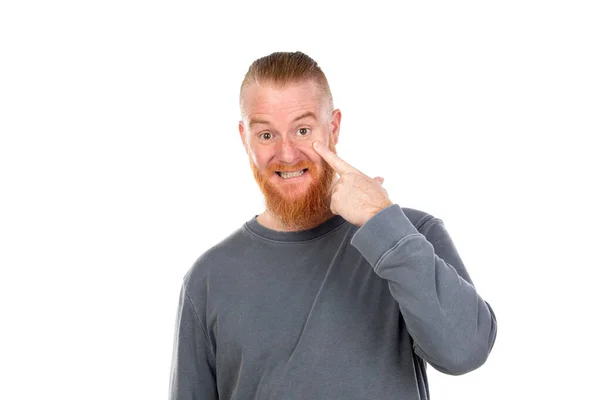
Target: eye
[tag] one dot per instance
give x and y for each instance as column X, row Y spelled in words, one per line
column 265, row 135
column 303, row 131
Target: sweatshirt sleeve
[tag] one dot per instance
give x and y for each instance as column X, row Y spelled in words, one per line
column 193, row 362
column 452, row 327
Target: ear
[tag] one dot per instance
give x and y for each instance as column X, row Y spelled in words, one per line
column 242, row 136
column 336, row 120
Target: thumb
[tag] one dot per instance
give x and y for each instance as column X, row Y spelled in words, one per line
column 378, row 179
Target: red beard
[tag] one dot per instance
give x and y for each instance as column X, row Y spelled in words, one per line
column 292, row 208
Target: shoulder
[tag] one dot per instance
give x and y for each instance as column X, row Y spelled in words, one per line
column 434, row 231
column 211, row 262
column 421, row 220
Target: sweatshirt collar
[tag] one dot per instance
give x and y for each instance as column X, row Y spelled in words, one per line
column 295, row 236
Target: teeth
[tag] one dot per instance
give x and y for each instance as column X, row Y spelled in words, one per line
column 286, row 175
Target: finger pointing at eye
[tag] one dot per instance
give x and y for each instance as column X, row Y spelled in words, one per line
column 340, row 166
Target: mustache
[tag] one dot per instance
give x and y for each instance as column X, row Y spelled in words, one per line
column 287, row 168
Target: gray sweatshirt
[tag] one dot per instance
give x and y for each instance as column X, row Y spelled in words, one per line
column 333, row 312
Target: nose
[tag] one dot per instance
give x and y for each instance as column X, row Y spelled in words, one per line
column 287, row 151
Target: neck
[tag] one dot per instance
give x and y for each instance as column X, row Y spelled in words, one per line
column 269, row 220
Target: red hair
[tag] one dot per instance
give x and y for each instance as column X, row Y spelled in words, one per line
column 283, row 68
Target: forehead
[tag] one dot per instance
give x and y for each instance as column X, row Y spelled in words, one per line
column 281, row 102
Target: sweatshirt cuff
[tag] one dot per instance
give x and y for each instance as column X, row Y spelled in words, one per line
column 382, row 232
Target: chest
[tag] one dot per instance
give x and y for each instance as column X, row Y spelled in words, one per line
column 303, row 314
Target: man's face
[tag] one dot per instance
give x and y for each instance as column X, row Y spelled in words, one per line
column 278, row 129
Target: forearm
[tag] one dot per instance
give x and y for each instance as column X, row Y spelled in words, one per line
column 453, row 328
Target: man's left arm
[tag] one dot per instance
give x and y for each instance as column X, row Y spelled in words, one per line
column 453, row 328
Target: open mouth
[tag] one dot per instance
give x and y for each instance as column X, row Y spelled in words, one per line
column 288, row 175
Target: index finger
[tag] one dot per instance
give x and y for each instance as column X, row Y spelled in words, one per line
column 340, row 166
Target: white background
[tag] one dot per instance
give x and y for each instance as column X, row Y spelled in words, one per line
column 120, row 163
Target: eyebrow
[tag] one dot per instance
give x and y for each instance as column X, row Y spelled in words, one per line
column 307, row 114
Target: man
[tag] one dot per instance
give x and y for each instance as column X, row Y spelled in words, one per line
column 334, row 291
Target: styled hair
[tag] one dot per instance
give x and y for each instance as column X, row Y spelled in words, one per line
column 283, row 68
